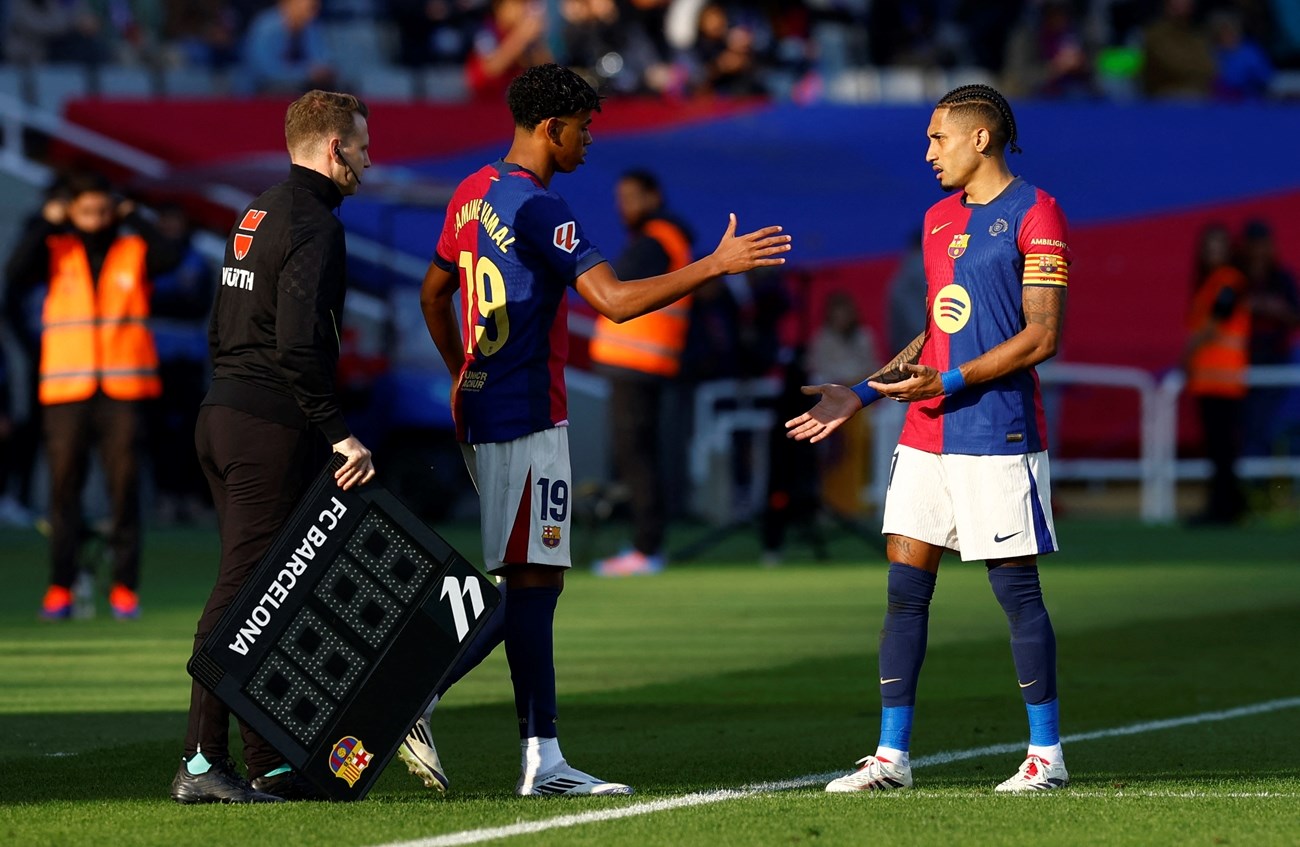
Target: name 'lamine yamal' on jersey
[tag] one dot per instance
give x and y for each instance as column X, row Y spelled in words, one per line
column 517, row 248
column 978, row 258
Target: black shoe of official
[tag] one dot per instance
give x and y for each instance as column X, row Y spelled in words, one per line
column 289, row 785
column 221, row 784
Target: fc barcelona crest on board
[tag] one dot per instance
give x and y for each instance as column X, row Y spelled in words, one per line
column 348, row 759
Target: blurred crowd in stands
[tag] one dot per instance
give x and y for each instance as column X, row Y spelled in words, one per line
column 1230, row 49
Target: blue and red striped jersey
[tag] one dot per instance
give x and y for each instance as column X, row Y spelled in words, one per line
column 517, row 248
column 977, row 260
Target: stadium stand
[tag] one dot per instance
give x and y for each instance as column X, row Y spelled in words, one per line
column 54, row 85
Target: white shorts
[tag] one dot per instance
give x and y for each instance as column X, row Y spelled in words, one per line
column 983, row 507
column 525, row 491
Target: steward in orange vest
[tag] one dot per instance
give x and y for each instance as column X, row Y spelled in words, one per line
column 95, row 330
column 1217, row 357
column 639, row 357
column 97, row 363
column 1219, row 325
column 652, row 343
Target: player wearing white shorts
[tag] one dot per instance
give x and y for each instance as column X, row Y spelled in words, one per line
column 523, row 491
column 983, row 507
column 512, row 248
column 971, row 472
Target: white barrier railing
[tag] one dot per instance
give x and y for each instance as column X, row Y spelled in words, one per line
column 725, row 407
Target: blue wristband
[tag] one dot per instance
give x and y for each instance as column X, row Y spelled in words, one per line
column 866, row 393
column 952, row 380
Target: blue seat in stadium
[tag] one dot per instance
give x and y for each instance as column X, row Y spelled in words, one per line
column 903, row 85
column 445, row 84
column 124, row 81
column 191, row 82
column 358, row 45
column 12, row 83
column 856, row 85
column 386, row 82
column 55, row 85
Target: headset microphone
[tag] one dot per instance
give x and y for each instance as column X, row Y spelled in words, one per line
column 338, row 154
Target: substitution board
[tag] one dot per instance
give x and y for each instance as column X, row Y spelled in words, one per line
column 338, row 640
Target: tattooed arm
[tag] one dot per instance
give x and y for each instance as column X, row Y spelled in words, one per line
column 1044, row 308
column 910, row 355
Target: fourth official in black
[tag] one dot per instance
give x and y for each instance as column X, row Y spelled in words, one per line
column 274, row 341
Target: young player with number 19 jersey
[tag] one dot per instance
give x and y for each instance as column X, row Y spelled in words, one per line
column 512, row 248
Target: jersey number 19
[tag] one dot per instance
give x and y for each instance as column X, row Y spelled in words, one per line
column 484, row 279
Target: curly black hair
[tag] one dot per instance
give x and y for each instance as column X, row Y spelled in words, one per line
column 549, row 91
column 990, row 106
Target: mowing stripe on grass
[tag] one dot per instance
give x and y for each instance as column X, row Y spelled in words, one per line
column 704, row 798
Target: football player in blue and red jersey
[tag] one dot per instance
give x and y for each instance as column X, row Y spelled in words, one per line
column 513, row 249
column 970, row 473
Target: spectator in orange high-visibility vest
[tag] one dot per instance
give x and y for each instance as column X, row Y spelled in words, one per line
column 1216, row 359
column 98, row 367
column 640, row 357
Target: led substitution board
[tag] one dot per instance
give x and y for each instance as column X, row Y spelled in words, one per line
column 338, row 640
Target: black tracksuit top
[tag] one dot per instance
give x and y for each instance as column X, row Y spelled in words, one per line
column 274, row 333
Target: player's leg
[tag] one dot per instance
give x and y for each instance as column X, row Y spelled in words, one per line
column 1033, row 647
column 919, row 526
column 418, row 752
column 1004, row 516
column 534, row 556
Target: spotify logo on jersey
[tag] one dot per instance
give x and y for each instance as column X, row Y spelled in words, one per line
column 951, row 308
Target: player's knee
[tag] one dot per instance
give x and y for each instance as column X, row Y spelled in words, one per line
column 909, row 589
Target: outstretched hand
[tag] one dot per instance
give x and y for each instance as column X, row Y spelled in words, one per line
column 837, row 405
column 737, row 254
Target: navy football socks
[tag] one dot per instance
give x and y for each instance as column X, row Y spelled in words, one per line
column 492, row 634
column 902, row 650
column 903, row 638
column 1033, row 644
column 530, row 649
column 1033, row 647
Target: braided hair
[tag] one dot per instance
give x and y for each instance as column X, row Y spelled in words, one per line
column 989, row 105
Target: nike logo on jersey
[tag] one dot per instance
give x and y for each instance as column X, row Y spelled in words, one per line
column 939, row 227
column 884, row 681
column 998, row 539
column 1026, row 684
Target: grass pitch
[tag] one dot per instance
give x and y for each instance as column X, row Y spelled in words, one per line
column 721, row 675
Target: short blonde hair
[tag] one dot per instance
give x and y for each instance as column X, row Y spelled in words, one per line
column 317, row 115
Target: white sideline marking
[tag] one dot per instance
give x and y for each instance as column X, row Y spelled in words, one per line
column 704, row 798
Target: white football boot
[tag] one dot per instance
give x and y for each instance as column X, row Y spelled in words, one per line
column 875, row 774
column 1036, row 774
column 421, row 758
column 566, row 781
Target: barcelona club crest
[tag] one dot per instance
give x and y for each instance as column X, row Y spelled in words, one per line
column 551, row 537
column 958, row 245
column 1048, row 264
column 348, row 759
